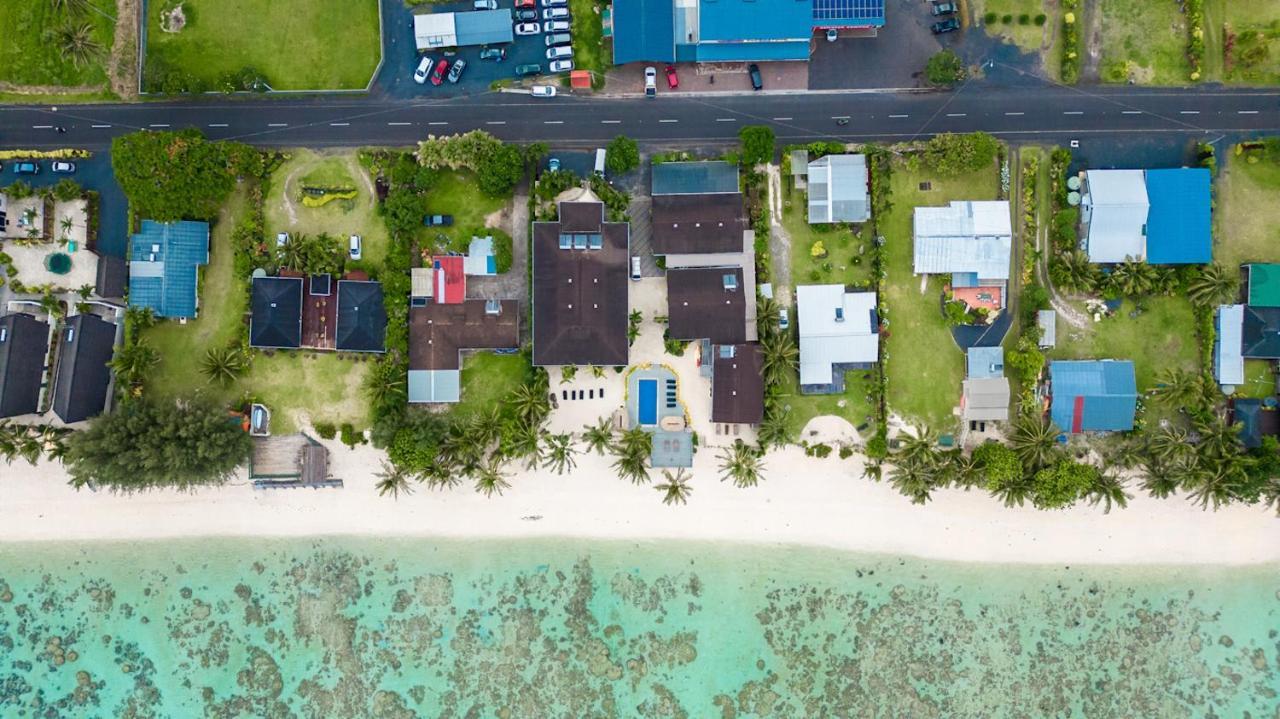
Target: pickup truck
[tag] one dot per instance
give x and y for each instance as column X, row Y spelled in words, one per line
column 438, row 220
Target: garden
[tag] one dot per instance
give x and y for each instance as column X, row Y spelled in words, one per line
column 198, row 45
column 475, row 214
column 1029, row 24
column 1246, row 214
column 589, row 50
column 1251, row 41
column 1144, row 42
column 825, row 254
column 52, row 43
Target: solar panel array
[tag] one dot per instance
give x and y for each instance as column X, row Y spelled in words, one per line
column 848, row 9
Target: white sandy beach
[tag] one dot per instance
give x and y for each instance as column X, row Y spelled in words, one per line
column 802, row 501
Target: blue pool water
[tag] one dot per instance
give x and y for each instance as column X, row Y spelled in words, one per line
column 648, row 401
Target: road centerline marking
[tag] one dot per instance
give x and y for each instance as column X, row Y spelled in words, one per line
column 668, row 121
column 277, row 124
column 1015, row 114
column 899, row 116
column 956, row 114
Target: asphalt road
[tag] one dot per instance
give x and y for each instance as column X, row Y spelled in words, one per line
column 1052, row 113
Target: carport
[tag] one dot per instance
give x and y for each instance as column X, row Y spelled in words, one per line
column 462, row 29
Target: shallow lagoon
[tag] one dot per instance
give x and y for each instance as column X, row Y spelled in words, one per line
column 558, row 628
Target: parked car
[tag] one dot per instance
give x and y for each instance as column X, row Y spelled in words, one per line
column 26, row 168
column 484, row 5
column 528, row 28
column 557, row 38
column 948, row 25
column 526, row 15
column 560, row 66
column 543, row 91
column 555, row 26
column 943, row 8
column 528, row 69
column 354, row 247
column 555, row 3
column 526, row 3
column 455, row 72
column 553, row 164
column 438, row 220
column 437, row 76
column 555, row 13
column 635, row 268
column 784, row 318
column 63, row 167
column 559, row 52
column 650, row 81
column 424, row 68
column 673, row 80
column 757, row 82
column 832, row 34
column 497, row 54
column 282, row 239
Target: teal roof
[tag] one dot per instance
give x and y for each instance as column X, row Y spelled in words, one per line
column 753, row 51
column 164, row 261
column 985, row 362
column 1178, row 223
column 743, row 20
column 643, row 31
column 1264, row 285
column 483, row 27
column 694, row 178
column 1093, row 395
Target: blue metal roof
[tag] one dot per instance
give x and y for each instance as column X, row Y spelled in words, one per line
column 163, row 266
column 643, row 31
column 483, row 27
column 739, row 20
column 845, row 13
column 753, row 51
column 985, row 362
column 1093, row 395
column 694, row 178
column 1178, row 223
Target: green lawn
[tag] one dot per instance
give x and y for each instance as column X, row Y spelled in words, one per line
column 456, row 193
column 296, row 44
column 30, row 54
column 1259, row 380
column 1247, row 211
column 1162, row 337
column 857, row 409
column 1255, row 47
column 339, row 218
column 842, row 247
column 1145, row 40
column 924, row 365
column 487, row 380
column 590, row 52
column 1029, row 36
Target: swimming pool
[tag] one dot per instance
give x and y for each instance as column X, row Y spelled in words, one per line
column 648, row 401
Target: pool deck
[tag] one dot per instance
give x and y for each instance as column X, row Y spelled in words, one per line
column 28, row 260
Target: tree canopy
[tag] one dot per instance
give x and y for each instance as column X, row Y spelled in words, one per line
column 150, row 444
column 757, row 144
column 622, row 155
column 945, row 69
column 950, row 154
column 171, row 176
column 1000, row 465
column 498, row 166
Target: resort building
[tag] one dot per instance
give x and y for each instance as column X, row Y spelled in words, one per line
column 970, row 240
column 1093, row 395
column 1258, row 419
column 1161, row 217
column 839, row 331
column 737, row 384
column 83, row 378
column 838, row 189
column 580, row 303
column 362, row 317
column 1264, row 285
column 707, row 304
column 112, row 278
column 698, row 209
column 24, row 346
column 1243, row 332
column 164, row 262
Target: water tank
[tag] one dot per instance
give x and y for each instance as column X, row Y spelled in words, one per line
column 1073, row 198
column 1073, row 182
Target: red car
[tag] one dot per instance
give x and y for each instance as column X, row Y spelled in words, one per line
column 437, row 76
column 672, row 80
column 526, row 3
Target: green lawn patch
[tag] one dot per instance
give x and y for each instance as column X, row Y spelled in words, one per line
column 296, row 44
column 456, row 193
column 1161, row 337
column 847, row 260
column 924, row 365
column 857, row 407
column 1259, row 380
column 340, row 218
column 1144, row 40
column 34, row 53
column 1247, row 211
column 487, row 380
column 590, row 52
column 1250, row 30
column 1016, row 20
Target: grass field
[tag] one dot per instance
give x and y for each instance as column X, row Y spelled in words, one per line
column 296, row 44
column 1162, row 337
column 589, row 49
column 456, row 193
column 1255, row 47
column 30, row 54
column 924, row 365
column 1145, row 40
column 1259, row 380
column 1030, row 36
column 857, row 407
column 1247, row 212
column 340, row 218
column 487, row 379
column 841, row 246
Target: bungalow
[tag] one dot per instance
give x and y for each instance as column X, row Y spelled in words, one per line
column 1257, row 419
column 838, row 189
column 706, row 303
column 83, row 377
column 362, row 317
column 737, row 384
column 276, row 322
column 164, row 264
column 839, row 331
column 1243, row 332
column 1161, row 217
column 1093, row 395
column 24, row 345
column 970, row 240
column 986, row 389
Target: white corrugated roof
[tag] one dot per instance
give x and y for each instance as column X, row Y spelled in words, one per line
column 1048, row 321
column 1228, row 362
column 1116, row 204
column 434, row 30
column 838, row 189
column 965, row 236
column 826, row 340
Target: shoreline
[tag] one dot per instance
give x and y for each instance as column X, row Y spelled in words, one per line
column 822, row 503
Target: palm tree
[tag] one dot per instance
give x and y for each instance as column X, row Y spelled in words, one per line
column 29, row 444
column 1214, row 485
column 393, row 480
column 1178, row 388
column 913, row 478
column 133, row 361
column 1215, row 285
column 54, row 440
column 559, row 452
column 520, row 440
column 598, row 436
column 292, row 255
column 1169, row 446
column 1107, row 490
column 676, row 489
column 963, row 471
column 767, row 317
column 222, row 364
column 741, row 464
column 530, row 403
column 490, row 480
column 1034, row 440
column 8, row 440
column 1161, row 480
column 1125, row 453
column 76, row 42
column 920, row 448
column 1132, row 278
column 632, row 451
column 484, row 428
column 1218, row 440
column 66, row 223
column 441, row 475
column 773, row 431
column 69, row 6
column 1014, row 493
column 1075, row 273
column 779, row 355
column 385, row 386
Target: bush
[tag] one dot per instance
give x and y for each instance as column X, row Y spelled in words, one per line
column 350, row 436
column 757, row 144
column 170, row 176
column 1041, row 19
column 1024, row 19
column 326, row 430
column 324, row 198
column 951, row 154
column 877, row 447
column 1006, row 20
column 846, row 452
column 945, row 69
column 990, row 18
column 621, row 155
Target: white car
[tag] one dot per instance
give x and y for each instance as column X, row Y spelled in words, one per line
column 63, row 167
column 355, row 247
column 559, row 52
column 555, row 13
column 543, row 91
column 485, row 5
column 555, row 3
column 560, row 66
column 528, row 28
column 651, row 81
column 424, row 67
column 555, row 26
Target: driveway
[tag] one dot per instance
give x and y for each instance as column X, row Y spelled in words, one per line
column 895, row 57
column 93, row 174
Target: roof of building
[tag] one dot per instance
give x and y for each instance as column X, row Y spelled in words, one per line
column 698, row 224
column 838, row 189
column 846, row 13
column 480, row 259
column 643, row 30
column 1047, row 320
column 707, row 303
column 737, row 384
column 319, row 310
column 163, row 266
column 580, row 288
column 461, row 29
column 1256, row 421
column 448, row 279
column 362, row 318
column 694, row 178
column 800, row 163
column 438, row 333
column 836, row 327
column 745, row 51
column 985, row 362
column 1093, row 395
column 1260, row 333
column 744, row 20
column 1178, row 225
column 86, row 344
column 276, row 303
column 24, row 345
column 1117, row 205
column 965, row 236
column 986, row 399
column 1264, row 285
column 1228, row 362
column 113, row 277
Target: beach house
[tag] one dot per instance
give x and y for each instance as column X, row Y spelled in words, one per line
column 1161, row 217
column 1093, row 395
column 839, row 331
column 164, row 263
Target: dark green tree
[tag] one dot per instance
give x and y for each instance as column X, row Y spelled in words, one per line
column 178, row 175
column 622, row 154
column 945, row 69
column 757, row 144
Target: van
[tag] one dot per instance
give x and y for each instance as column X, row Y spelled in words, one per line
column 600, row 156
column 558, row 38
column 559, row 52
column 355, row 247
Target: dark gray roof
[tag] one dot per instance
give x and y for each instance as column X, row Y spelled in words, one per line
column 1261, row 332
column 697, row 224
column 707, row 303
column 737, row 384
column 277, row 312
column 362, row 318
column 24, row 344
column 113, row 277
column 84, row 349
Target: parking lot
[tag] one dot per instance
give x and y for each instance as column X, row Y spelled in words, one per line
column 895, row 57
column 396, row 77
column 93, row 174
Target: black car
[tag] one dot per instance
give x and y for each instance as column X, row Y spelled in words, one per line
column 526, row 15
column 948, row 25
column 757, row 83
column 438, row 220
column 943, row 8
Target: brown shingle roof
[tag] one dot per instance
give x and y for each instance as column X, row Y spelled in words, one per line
column 699, row 306
column 737, row 384
column 437, row 332
column 695, row 224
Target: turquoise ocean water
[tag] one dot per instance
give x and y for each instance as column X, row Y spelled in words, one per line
column 542, row 629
